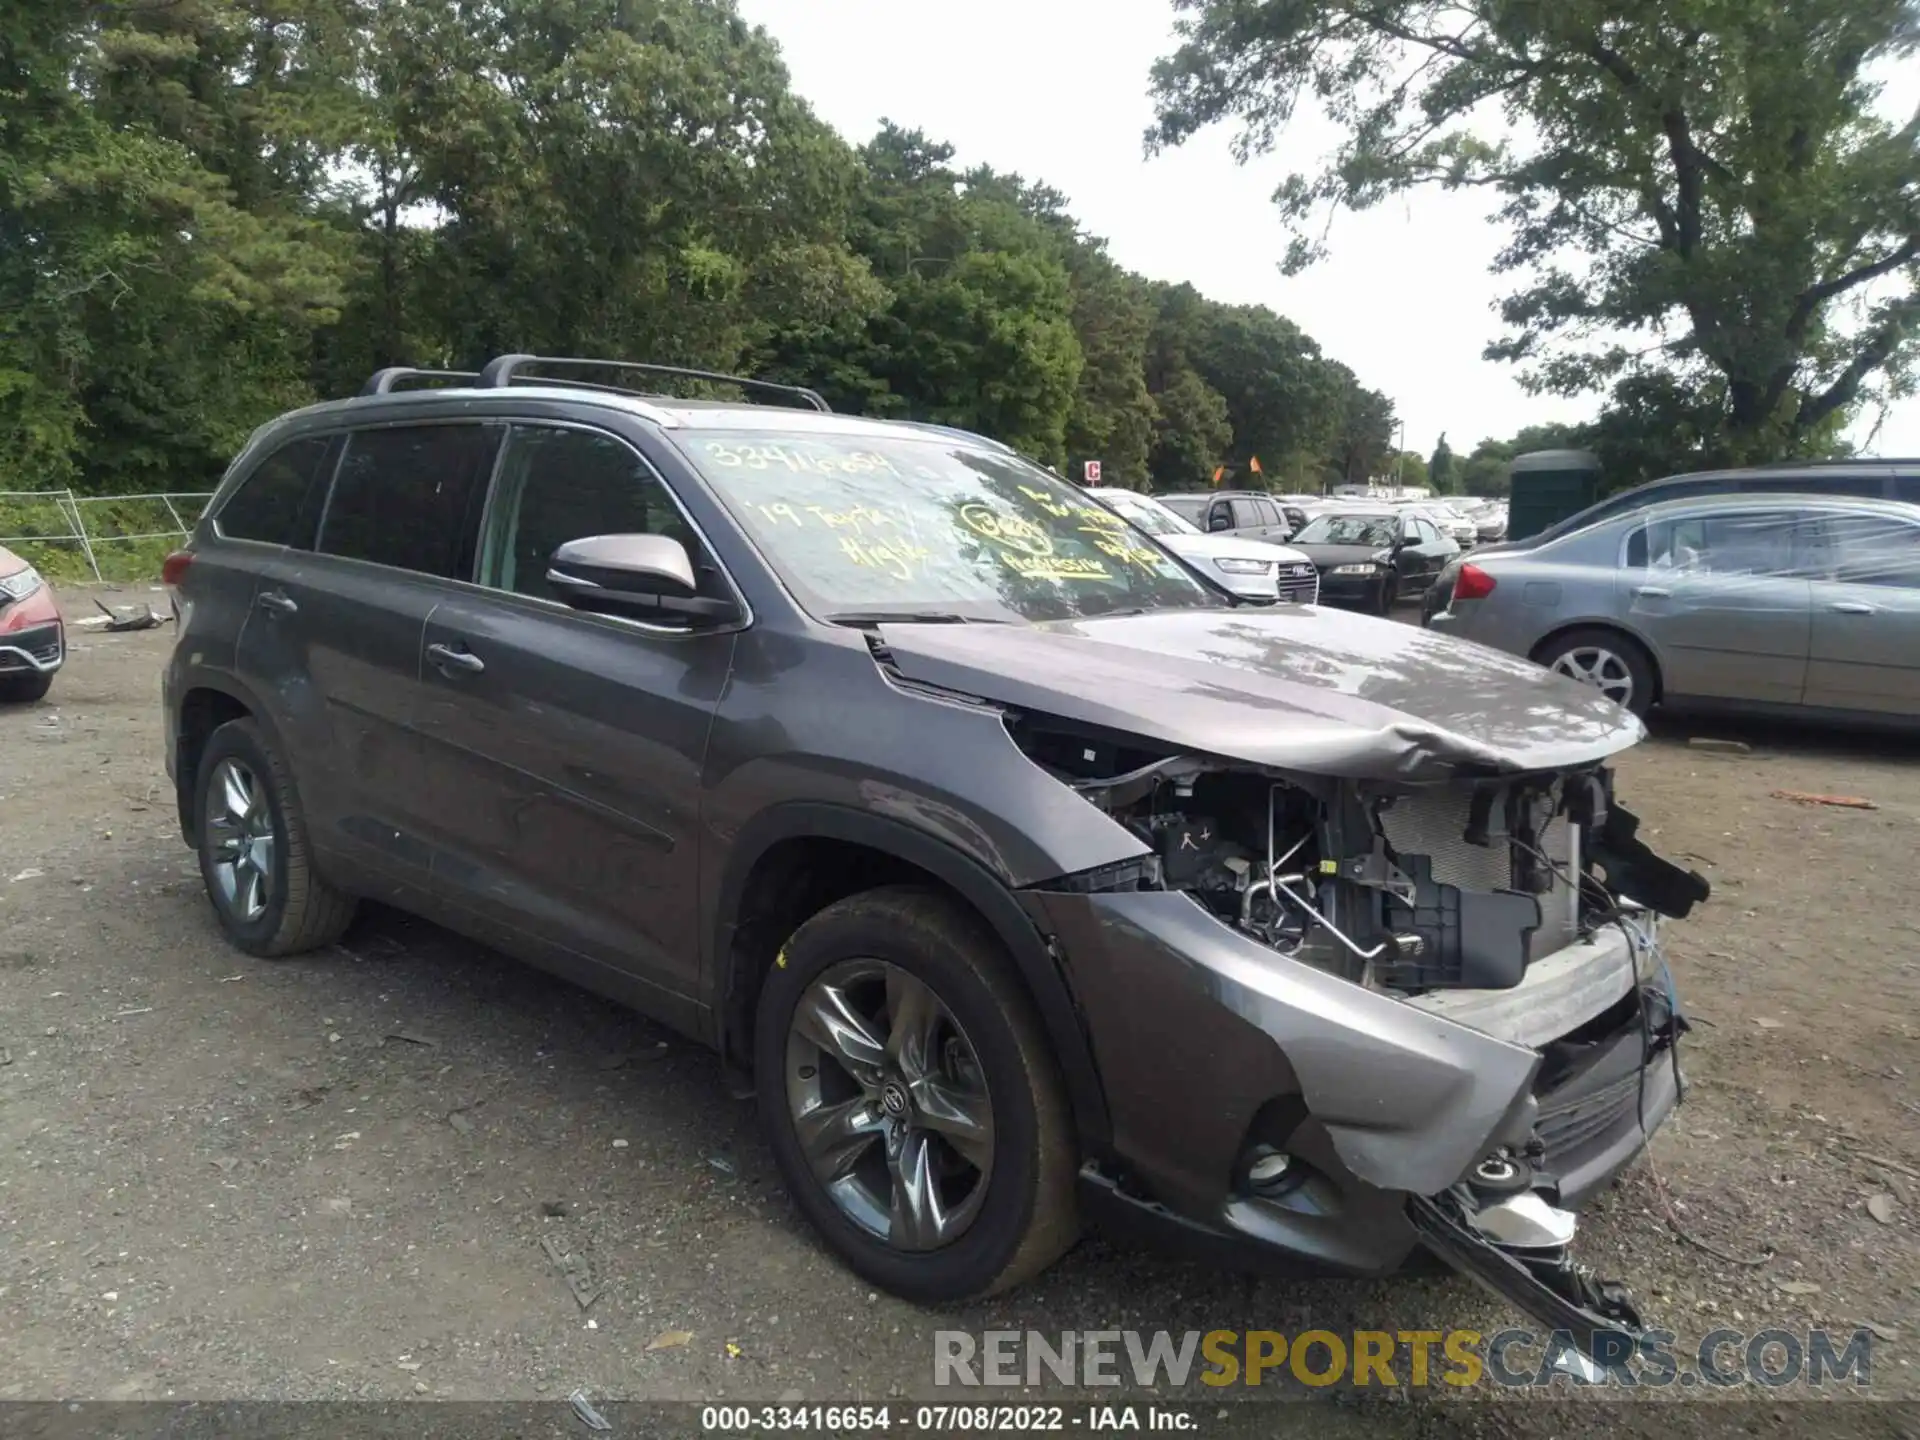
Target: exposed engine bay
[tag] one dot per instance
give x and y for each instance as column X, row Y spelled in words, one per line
column 1396, row 887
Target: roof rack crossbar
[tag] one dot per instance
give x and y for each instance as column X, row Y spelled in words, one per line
column 382, row 382
column 503, row 369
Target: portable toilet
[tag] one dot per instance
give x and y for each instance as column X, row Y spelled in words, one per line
column 1548, row 486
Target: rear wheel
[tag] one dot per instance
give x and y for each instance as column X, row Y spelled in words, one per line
column 1614, row 664
column 254, row 856
column 910, row 1098
column 25, row 689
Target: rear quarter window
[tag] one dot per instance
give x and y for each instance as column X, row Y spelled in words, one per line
column 409, row 497
column 270, row 505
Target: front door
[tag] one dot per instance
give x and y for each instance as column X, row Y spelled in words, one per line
column 570, row 746
column 1723, row 597
column 1866, row 616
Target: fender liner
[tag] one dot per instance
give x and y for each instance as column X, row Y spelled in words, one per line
column 973, row 881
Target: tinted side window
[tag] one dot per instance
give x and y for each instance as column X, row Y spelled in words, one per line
column 1870, row 487
column 407, row 497
column 1244, row 515
column 559, row 485
column 267, row 506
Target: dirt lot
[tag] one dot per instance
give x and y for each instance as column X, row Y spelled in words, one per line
column 330, row 1177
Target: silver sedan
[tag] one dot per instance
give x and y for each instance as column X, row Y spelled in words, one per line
column 1777, row 604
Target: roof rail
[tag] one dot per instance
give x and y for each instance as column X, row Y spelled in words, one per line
column 1839, row 462
column 382, row 382
column 503, row 369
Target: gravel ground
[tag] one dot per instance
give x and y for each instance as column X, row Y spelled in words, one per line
column 338, row 1177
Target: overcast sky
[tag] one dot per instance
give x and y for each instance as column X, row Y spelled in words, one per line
column 1056, row 90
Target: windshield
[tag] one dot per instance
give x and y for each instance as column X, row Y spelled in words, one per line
column 1375, row 530
column 1150, row 515
column 1191, row 508
column 866, row 525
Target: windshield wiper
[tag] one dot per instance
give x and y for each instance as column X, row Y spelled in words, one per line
column 909, row 617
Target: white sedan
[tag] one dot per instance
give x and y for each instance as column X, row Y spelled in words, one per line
column 1251, row 569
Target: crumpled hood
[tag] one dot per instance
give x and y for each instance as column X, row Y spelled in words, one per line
column 1296, row 688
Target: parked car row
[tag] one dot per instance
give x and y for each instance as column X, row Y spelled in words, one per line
column 1251, row 569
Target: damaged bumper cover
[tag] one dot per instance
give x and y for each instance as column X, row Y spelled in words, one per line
column 1216, row 1051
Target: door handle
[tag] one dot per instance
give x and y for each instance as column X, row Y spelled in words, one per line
column 1654, row 592
column 277, row 602
column 446, row 660
column 1852, row 607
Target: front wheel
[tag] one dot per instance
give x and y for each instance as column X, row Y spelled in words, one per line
column 1389, row 592
column 910, row 1098
column 1612, row 663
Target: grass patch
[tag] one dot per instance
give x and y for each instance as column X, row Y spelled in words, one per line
column 130, row 534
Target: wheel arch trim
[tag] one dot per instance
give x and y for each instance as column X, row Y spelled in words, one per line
column 973, row 881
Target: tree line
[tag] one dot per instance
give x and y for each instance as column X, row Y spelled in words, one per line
column 214, row 210
column 1712, row 217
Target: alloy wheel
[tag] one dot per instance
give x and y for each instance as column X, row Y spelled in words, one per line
column 1593, row 665
column 889, row 1102
column 241, row 840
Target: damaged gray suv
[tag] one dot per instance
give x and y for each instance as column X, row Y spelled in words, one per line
column 1024, row 874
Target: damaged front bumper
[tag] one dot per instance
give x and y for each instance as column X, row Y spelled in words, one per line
column 1269, row 1112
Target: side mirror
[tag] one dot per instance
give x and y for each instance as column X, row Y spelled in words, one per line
column 1219, row 520
column 635, row 575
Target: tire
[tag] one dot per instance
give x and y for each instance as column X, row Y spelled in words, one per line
column 1389, row 591
column 1019, row 1214
column 1605, row 659
column 25, row 689
column 297, row 909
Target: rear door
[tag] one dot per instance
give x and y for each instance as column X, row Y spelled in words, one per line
column 1269, row 523
column 334, row 637
column 1725, row 601
column 567, row 748
column 1865, row 652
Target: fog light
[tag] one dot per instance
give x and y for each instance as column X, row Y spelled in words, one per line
column 1269, row 1168
column 1272, row 1173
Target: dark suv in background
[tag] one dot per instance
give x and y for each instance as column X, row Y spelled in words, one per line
column 1020, row 869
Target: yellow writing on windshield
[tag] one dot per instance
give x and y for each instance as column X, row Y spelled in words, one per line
column 1130, row 554
column 1011, row 531
column 858, row 518
column 1047, row 502
column 896, row 557
column 796, row 461
column 1054, row 567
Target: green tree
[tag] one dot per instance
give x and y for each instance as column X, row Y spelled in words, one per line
column 1697, row 190
column 1366, row 431
column 154, row 307
column 1113, row 413
column 1440, row 467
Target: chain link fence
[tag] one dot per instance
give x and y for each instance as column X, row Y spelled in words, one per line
column 99, row 537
